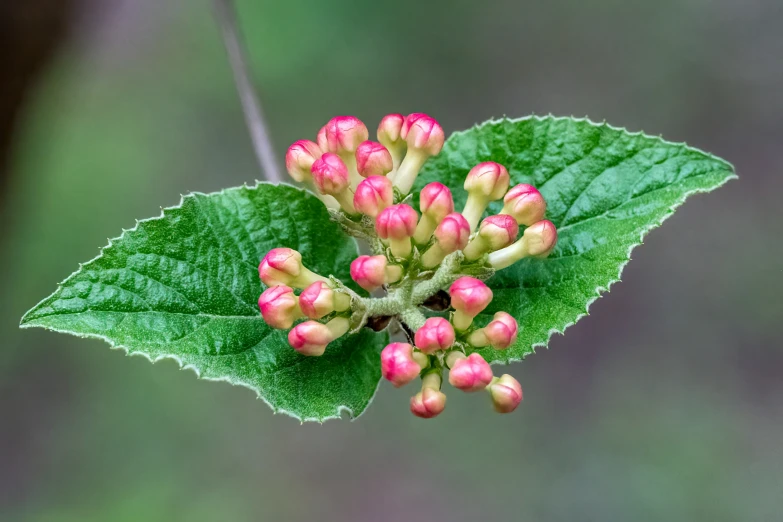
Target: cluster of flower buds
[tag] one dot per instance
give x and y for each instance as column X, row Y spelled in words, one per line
column 368, row 182
column 442, row 343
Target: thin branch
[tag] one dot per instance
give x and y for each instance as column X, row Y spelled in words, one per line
column 254, row 117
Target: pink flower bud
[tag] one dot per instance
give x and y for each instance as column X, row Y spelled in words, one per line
column 373, row 159
column 373, row 195
column 428, row 403
column 495, row 232
column 436, row 334
column 485, row 182
column 500, row 333
column 488, row 179
column 398, row 364
column 342, row 134
column 506, row 393
column 390, row 128
column 397, row 223
column 300, row 158
column 422, row 132
column 319, row 299
column 470, row 374
column 540, row 238
column 499, row 231
column 372, row 272
column 453, row 233
column 283, row 266
column 279, row 307
column 470, row 295
column 330, row 174
column 424, row 138
column 525, row 204
column 280, row 266
column 435, row 203
column 311, row 337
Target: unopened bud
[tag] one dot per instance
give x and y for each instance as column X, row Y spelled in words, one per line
column 389, row 135
column 430, row 401
column 400, row 365
column 525, row 204
column 485, row 182
column 469, row 297
column 331, row 177
column 311, row 337
column 283, row 266
column 300, row 158
column 372, row 272
column 435, row 203
column 373, row 195
column 470, row 373
column 373, row 159
column 279, row 307
column 436, row 334
column 342, row 135
column 397, row 224
column 319, row 299
column 425, row 138
column 538, row 240
column 495, row 232
column 451, row 235
column 500, row 333
column 506, row 393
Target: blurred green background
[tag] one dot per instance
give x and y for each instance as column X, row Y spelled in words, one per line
column 665, row 404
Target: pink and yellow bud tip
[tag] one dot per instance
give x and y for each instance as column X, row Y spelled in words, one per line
column 283, row 266
column 486, row 182
column 469, row 297
column 397, row 224
column 372, row 272
column 400, row 364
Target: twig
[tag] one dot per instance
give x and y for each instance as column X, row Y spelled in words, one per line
column 226, row 17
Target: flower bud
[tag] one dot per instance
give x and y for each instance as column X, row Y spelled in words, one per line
column 451, row 235
column 506, row 393
column 342, row 135
column 430, row 401
column 397, row 224
column 373, row 159
column 538, row 240
column 435, row 203
column 500, row 333
column 372, row 272
column 422, row 132
column 485, row 182
column 436, row 334
column 399, row 364
column 470, row 373
column 425, row 138
column 319, row 299
column 469, row 297
column 373, row 195
column 300, row 158
column 279, row 307
column 283, row 266
column 389, row 135
column 331, row 177
column 525, row 204
column 311, row 337
column 495, row 232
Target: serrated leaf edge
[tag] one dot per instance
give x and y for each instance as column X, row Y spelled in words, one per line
column 600, row 290
column 182, row 366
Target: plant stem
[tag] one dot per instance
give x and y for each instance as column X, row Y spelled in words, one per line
column 251, row 105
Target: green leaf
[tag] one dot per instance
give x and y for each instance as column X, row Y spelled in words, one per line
column 605, row 189
column 185, row 286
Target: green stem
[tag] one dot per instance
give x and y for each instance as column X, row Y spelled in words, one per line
column 447, row 273
column 413, row 318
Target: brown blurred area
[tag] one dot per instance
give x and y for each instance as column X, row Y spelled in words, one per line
column 30, row 32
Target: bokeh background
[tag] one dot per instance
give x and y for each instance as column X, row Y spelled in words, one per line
column 665, row 404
